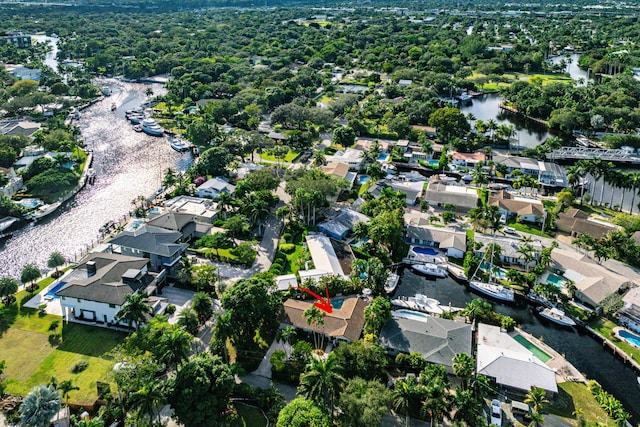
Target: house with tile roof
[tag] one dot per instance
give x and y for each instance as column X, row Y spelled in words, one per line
column 340, row 171
column 522, row 208
column 468, row 159
column 95, row 290
column 343, row 324
column 163, row 248
column 576, row 222
column 452, row 242
column 437, row 340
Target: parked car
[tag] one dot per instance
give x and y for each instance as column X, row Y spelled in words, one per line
column 510, row 230
column 496, row 413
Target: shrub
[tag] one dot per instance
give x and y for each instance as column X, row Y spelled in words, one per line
column 79, row 367
column 54, row 325
column 287, row 248
column 170, row 309
column 277, row 360
column 448, row 216
column 287, row 237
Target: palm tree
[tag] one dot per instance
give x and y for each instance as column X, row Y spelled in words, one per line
column 147, row 399
column 287, row 335
column 575, row 176
column 467, row 407
column 203, row 306
column 314, row 318
column 463, row 367
column 149, row 92
column 30, row 273
column 634, row 185
column 39, row 406
column 169, row 178
column 492, row 125
column 536, row 399
column 319, row 159
column 322, row 381
column 528, row 254
column 67, row 387
column 404, row 395
column 56, row 259
column 177, row 345
column 135, row 308
column 188, row 319
column 437, row 401
column 8, row 287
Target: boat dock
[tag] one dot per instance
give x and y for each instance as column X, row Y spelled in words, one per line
column 617, row 351
column 515, row 111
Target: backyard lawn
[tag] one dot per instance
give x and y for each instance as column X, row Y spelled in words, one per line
column 33, row 356
column 605, row 327
column 288, row 158
column 576, row 398
column 248, row 416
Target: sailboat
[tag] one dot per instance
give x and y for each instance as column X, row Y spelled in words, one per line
column 491, row 288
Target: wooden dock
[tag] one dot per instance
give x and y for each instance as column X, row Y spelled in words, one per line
column 626, row 359
column 512, row 110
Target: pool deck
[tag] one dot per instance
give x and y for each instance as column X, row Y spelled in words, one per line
column 564, row 370
column 614, row 348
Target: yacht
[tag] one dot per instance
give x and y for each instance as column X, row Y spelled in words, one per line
column 178, row 144
column 136, row 119
column 150, row 127
column 392, row 283
column 556, row 315
column 430, row 270
column 493, row 290
column 419, row 302
column 44, row 211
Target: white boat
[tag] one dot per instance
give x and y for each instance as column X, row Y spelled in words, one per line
column 392, row 283
column 137, row 128
column 178, row 144
column 558, row 316
column 426, row 304
column 44, row 211
column 493, row 290
column 136, row 119
column 150, row 127
column 430, row 270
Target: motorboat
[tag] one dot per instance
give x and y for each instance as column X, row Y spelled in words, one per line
column 137, row 128
column 493, row 290
column 136, row 119
column 150, row 127
column 426, row 304
column 429, row 269
column 556, row 315
column 44, row 211
column 392, row 283
column 113, row 106
column 179, row 144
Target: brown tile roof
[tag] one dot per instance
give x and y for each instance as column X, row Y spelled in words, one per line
column 506, row 201
column 346, row 322
column 576, row 221
column 337, row 169
column 477, row 156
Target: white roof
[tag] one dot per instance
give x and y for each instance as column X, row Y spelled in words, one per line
column 286, row 281
column 314, row 274
column 323, row 255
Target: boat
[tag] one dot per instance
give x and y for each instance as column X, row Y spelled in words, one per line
column 44, row 211
column 583, row 141
column 491, row 288
column 150, row 127
column 556, row 315
column 178, row 144
column 465, row 98
column 136, row 119
column 113, row 106
column 419, row 302
column 430, row 270
column 106, row 91
column 392, row 283
column 137, row 128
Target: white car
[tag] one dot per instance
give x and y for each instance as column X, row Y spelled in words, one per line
column 496, row 413
column 510, row 230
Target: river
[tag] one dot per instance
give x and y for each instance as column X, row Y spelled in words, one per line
column 50, row 58
column 584, row 352
column 127, row 165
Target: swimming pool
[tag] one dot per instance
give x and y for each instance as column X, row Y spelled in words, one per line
column 424, row 251
column 153, row 210
column 363, row 178
column 52, row 292
column 537, row 351
column 435, row 163
column 555, row 280
column 383, row 157
column 30, row 203
column 629, row 337
column 410, row 314
column 499, row 273
column 135, row 225
column 337, row 303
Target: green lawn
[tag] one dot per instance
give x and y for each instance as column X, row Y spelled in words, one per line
column 268, row 155
column 605, row 327
column 32, row 358
column 575, row 398
column 528, row 229
column 248, row 416
column 296, row 258
column 602, row 211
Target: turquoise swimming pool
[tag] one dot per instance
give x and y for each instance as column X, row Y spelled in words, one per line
column 629, row 337
column 555, row 280
column 498, row 272
column 416, row 315
column 337, row 303
column 363, row 178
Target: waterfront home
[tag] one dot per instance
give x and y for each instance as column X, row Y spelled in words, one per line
column 19, row 127
column 341, row 171
column 163, row 248
column 213, row 188
column 203, row 210
column 439, row 194
column 525, row 209
column 509, row 254
column 437, row 340
column 593, row 281
column 629, row 314
column 23, row 73
column 325, row 259
column 468, row 160
column 350, row 156
column 545, row 172
column 576, row 222
column 185, row 223
column 95, row 290
column 411, row 189
column 14, row 185
column 451, row 241
column 341, row 223
column 510, row 364
column 343, row 324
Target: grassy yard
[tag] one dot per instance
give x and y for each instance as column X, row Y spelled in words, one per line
column 33, row 357
column 248, row 416
column 268, row 155
column 576, row 398
column 528, row 229
column 601, row 211
column 506, row 79
column 296, row 258
column 605, row 327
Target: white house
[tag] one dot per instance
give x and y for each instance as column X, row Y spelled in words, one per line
column 350, row 156
column 629, row 314
column 450, row 241
column 214, row 187
column 95, row 290
column 24, row 73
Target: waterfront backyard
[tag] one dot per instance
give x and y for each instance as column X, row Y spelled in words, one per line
column 36, row 347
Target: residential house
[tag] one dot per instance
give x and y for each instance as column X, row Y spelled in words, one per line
column 14, row 185
column 341, row 171
column 324, row 258
column 509, row 254
column 19, row 127
column 522, row 208
column 163, row 248
column 411, row 189
column 468, row 160
column 350, row 156
column 24, row 73
column 438, row 340
column 185, row 223
column 430, row 131
column 214, row 187
column 95, row 290
column 343, row 324
column 415, row 155
column 576, row 222
column 593, row 281
column 629, row 314
column 441, row 193
column 342, row 223
column 510, row 364
column 245, row 169
column 203, row 210
column 545, row 172
column 449, row 240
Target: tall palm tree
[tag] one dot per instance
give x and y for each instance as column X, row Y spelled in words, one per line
column 203, row 306
column 287, row 335
column 65, row 388
column 314, row 317
column 135, row 308
column 56, row 259
column 30, row 273
column 463, row 367
column 575, row 176
column 404, row 396
column 625, row 184
column 614, row 178
column 527, row 253
column 467, row 407
column 177, row 345
column 8, row 287
column 39, row 406
column 322, row 381
column 437, row 401
column 147, row 399
column 536, row 399
column 188, row 319
column 634, row 184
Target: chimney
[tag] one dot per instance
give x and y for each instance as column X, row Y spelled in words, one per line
column 91, row 268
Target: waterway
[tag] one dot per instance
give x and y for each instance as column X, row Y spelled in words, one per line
column 127, row 165
column 584, row 352
column 51, row 56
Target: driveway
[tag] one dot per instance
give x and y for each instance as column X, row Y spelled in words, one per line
column 181, row 298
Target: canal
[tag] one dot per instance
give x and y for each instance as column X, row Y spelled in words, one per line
column 127, row 165
column 584, row 352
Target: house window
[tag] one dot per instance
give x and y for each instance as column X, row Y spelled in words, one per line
column 112, row 306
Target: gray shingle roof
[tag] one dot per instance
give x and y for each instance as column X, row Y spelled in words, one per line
column 152, row 240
